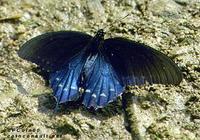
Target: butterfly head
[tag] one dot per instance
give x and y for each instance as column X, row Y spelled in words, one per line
column 99, row 35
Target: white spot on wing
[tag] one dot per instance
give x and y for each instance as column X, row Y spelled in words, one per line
column 94, row 95
column 87, row 90
column 65, row 89
column 112, row 89
column 60, row 85
column 103, row 95
column 73, row 87
column 57, row 79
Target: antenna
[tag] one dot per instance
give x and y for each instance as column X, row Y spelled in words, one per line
column 115, row 21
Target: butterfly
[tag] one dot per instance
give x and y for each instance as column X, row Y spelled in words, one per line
column 102, row 68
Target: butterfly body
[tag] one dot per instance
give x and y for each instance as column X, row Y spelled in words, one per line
column 101, row 67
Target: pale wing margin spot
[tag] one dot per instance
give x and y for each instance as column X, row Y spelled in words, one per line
column 73, row 88
column 65, row 89
column 103, row 95
column 88, row 91
column 60, row 85
column 94, row 95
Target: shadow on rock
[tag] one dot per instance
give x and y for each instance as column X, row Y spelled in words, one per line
column 47, row 104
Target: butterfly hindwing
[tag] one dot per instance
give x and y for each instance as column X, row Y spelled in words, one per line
column 138, row 64
column 102, row 84
column 51, row 50
column 65, row 82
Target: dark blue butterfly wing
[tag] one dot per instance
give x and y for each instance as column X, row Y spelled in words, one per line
column 138, row 64
column 102, row 84
column 65, row 82
column 51, row 50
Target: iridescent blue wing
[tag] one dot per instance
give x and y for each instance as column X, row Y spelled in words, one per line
column 138, row 64
column 102, row 84
column 51, row 50
column 65, row 82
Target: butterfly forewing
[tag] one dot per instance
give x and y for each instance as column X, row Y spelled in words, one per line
column 138, row 64
column 51, row 50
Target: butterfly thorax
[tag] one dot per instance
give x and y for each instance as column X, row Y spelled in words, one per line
column 96, row 42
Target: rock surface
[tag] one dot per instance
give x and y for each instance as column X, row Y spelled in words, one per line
column 152, row 112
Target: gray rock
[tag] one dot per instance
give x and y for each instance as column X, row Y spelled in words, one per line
column 165, row 8
column 182, row 2
column 96, row 9
column 1, row 45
